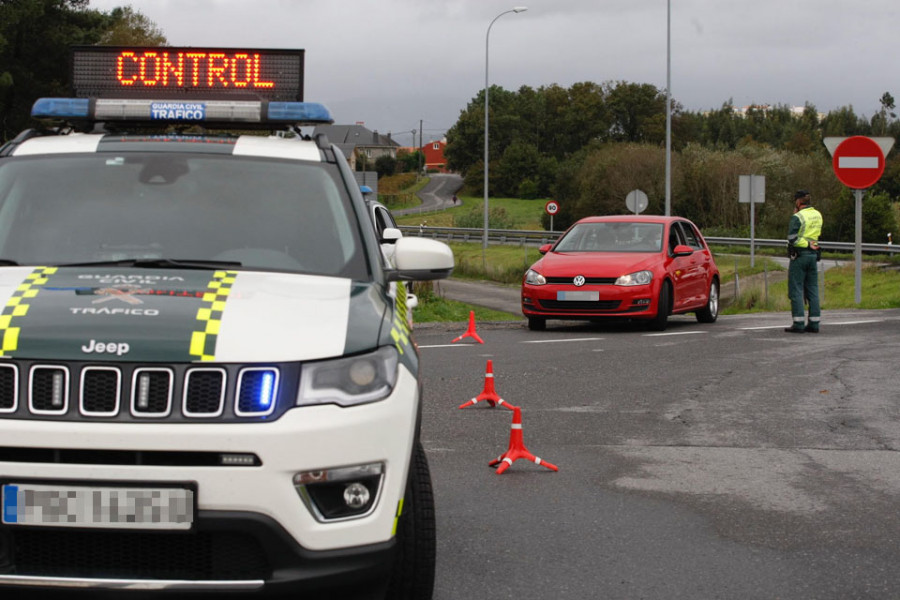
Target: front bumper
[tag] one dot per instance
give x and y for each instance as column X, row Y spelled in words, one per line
column 614, row 301
column 256, row 504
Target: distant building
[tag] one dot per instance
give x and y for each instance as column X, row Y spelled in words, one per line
column 796, row 111
column 434, row 156
column 358, row 143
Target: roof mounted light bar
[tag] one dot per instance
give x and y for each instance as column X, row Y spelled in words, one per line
column 167, row 112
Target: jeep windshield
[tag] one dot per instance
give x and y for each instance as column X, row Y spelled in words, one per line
column 193, row 208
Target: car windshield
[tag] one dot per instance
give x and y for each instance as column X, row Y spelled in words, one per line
column 245, row 212
column 612, row 236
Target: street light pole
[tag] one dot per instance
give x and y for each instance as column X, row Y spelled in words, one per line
column 669, row 108
column 487, row 37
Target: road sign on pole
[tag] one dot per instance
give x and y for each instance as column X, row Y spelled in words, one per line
column 858, row 163
column 752, row 189
column 636, row 201
column 551, row 208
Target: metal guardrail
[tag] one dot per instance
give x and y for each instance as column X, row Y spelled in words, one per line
column 539, row 238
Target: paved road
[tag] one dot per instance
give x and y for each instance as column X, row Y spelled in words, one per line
column 437, row 194
column 708, row 461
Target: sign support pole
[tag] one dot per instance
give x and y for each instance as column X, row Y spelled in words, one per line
column 752, row 223
column 857, row 251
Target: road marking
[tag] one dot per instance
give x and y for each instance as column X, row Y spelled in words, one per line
column 827, row 323
column 445, row 346
column 562, row 340
column 673, row 333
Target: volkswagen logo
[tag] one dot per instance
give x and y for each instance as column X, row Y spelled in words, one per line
column 578, row 281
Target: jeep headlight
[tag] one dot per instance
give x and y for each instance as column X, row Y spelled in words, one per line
column 532, row 277
column 351, row 380
column 639, row 278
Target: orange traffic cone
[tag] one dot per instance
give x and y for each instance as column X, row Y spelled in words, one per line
column 489, row 393
column 517, row 448
column 470, row 332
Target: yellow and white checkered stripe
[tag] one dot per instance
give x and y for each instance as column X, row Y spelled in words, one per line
column 17, row 306
column 203, row 341
column 400, row 329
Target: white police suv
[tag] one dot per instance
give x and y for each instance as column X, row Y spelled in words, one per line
column 207, row 375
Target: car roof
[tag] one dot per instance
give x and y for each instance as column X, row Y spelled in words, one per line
column 630, row 219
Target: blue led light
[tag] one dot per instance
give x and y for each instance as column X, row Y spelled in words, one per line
column 258, row 392
column 299, row 112
column 266, row 390
column 365, row 189
column 44, row 108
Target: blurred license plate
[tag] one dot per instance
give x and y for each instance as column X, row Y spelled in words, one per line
column 578, row 296
column 106, row 507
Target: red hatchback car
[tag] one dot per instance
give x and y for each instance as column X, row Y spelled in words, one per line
column 635, row 267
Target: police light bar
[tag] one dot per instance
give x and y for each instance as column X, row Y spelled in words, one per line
column 182, row 73
column 162, row 112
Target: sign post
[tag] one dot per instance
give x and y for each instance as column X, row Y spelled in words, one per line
column 551, row 208
column 752, row 189
column 858, row 163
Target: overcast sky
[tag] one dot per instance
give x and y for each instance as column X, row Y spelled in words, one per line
column 392, row 63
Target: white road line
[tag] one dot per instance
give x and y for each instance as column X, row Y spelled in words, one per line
column 827, row 323
column 445, row 346
column 673, row 333
column 563, row 340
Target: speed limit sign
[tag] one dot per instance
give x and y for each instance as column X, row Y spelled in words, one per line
column 551, row 207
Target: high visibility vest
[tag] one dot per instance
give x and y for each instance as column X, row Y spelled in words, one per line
column 810, row 227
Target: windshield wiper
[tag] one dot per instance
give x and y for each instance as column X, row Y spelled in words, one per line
column 5, row 262
column 159, row 263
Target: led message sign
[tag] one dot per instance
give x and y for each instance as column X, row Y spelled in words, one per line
column 114, row 71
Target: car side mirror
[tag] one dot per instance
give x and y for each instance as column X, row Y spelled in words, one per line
column 682, row 250
column 545, row 248
column 420, row 259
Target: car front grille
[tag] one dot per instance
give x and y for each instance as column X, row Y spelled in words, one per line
column 137, row 555
column 605, row 305
column 587, row 280
column 141, row 392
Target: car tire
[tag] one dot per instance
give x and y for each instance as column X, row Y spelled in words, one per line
column 412, row 576
column 537, row 323
column 710, row 312
column 661, row 320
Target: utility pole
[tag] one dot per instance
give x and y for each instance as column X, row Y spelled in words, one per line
column 421, row 158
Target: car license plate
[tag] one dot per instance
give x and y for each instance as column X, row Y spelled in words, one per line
column 585, row 295
column 104, row 507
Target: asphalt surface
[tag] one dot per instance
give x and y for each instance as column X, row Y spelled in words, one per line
column 709, row 461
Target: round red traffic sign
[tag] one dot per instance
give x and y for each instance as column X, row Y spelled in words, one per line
column 858, row 162
column 551, row 207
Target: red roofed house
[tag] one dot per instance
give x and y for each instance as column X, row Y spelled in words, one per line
column 434, row 156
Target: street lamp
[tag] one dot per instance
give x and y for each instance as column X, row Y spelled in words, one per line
column 487, row 38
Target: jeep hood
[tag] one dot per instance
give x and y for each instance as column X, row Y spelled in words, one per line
column 163, row 315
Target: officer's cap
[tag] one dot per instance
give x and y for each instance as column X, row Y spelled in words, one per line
column 801, row 194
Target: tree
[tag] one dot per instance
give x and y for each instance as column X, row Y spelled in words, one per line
column 385, row 165
column 638, row 112
column 519, row 162
column 880, row 121
column 130, row 28
column 35, row 41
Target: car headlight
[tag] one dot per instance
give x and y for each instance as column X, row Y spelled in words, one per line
column 349, row 381
column 532, row 277
column 639, row 278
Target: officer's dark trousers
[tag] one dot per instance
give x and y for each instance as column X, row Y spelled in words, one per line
column 803, row 281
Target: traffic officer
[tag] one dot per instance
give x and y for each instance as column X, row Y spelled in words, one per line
column 803, row 276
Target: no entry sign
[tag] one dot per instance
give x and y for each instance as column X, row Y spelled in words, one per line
column 858, row 162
